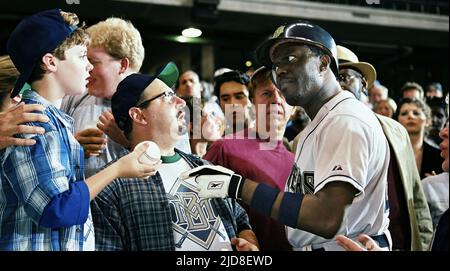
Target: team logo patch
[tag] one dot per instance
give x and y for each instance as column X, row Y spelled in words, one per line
column 193, row 218
column 278, row 32
column 301, row 182
column 308, row 182
column 294, row 182
column 215, row 185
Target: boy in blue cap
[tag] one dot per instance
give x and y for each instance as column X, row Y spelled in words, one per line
column 43, row 187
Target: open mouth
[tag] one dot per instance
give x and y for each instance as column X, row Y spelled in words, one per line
column 180, row 115
column 275, row 111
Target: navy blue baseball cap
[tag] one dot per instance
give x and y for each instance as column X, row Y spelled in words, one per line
column 130, row 90
column 35, row 36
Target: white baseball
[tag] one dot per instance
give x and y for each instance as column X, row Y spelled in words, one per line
column 152, row 155
column 91, row 124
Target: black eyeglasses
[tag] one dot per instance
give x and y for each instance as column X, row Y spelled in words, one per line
column 168, row 98
column 347, row 77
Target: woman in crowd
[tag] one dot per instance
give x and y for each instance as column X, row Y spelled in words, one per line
column 415, row 116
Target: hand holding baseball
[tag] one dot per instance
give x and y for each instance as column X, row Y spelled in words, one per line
column 152, row 155
column 130, row 166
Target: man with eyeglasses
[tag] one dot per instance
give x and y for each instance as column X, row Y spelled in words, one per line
column 357, row 77
column 338, row 184
column 164, row 213
column 409, row 216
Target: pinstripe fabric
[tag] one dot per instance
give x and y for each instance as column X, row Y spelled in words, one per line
column 31, row 176
column 134, row 214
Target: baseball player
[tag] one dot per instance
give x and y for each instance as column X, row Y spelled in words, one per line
column 339, row 182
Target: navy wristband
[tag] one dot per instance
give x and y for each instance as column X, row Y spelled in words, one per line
column 263, row 199
column 290, row 209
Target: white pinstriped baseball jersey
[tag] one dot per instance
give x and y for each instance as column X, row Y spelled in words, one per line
column 344, row 142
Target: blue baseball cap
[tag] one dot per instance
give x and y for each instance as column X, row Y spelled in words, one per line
column 130, row 90
column 35, row 36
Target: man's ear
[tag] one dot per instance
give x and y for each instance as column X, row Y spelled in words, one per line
column 49, row 63
column 137, row 116
column 325, row 61
column 124, row 65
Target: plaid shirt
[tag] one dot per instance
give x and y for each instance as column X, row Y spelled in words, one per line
column 31, row 176
column 132, row 214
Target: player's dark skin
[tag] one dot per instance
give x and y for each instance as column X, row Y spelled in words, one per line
column 356, row 84
column 308, row 81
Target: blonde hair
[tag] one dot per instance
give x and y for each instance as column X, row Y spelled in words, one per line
column 8, row 77
column 120, row 39
column 389, row 101
column 78, row 37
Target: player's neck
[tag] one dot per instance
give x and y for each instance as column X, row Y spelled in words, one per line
column 322, row 98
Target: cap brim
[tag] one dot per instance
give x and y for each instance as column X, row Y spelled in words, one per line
column 20, row 83
column 262, row 53
column 265, row 51
column 296, row 40
column 367, row 70
column 169, row 74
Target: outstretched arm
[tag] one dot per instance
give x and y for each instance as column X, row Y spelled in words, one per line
column 62, row 208
column 127, row 166
column 321, row 213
